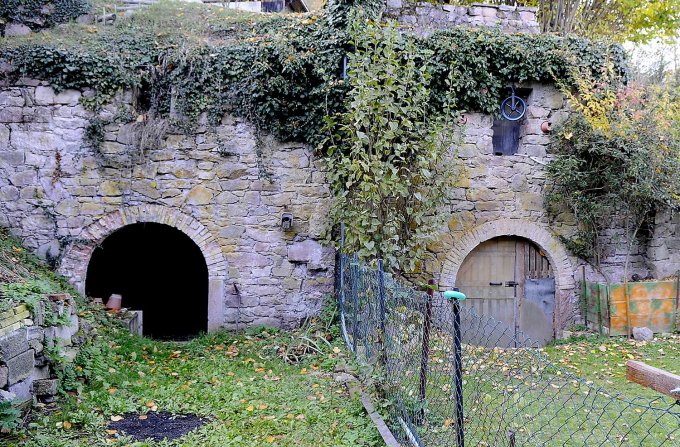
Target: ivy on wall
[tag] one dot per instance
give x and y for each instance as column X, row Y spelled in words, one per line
column 41, row 14
column 282, row 72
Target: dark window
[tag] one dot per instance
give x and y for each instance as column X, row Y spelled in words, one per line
column 273, row 6
column 506, row 133
column 505, row 136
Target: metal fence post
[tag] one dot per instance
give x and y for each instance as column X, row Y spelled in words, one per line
column 381, row 292
column 355, row 301
column 455, row 296
column 425, row 352
column 341, row 281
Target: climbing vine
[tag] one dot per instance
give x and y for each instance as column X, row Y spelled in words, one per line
column 390, row 159
column 41, row 14
column 283, row 73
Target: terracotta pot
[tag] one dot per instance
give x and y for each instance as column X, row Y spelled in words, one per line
column 114, row 302
column 546, row 126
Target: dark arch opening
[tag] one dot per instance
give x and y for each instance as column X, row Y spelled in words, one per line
column 157, row 269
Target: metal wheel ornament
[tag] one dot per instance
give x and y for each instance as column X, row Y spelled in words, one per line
column 513, row 108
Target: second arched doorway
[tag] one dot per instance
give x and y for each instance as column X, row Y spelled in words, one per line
column 157, row 269
column 511, row 279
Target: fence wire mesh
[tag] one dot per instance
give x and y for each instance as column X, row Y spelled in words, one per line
column 508, row 393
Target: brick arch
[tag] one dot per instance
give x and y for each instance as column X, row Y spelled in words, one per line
column 75, row 261
column 553, row 248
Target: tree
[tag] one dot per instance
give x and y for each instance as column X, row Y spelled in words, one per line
column 617, row 163
column 620, row 20
column 389, row 155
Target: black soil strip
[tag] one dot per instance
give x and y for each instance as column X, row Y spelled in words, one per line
column 157, row 426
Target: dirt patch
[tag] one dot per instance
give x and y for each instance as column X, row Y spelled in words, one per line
column 157, row 426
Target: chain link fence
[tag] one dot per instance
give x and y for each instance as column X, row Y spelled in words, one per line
column 454, row 377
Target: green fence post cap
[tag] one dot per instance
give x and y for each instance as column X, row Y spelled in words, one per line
column 454, row 295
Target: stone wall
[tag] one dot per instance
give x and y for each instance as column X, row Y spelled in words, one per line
column 504, row 195
column 62, row 196
column 428, row 17
column 228, row 190
column 663, row 250
column 26, row 371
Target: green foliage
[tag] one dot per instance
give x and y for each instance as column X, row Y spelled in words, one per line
column 619, row 20
column 390, row 154
column 40, row 14
column 282, row 72
column 10, row 417
column 617, row 160
column 240, row 383
column 483, row 62
column 24, row 279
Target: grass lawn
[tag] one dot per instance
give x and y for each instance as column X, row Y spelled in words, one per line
column 251, row 396
column 602, row 360
column 551, row 399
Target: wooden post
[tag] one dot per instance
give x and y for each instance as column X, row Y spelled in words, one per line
column 676, row 310
column 654, row 378
column 627, row 297
column 584, row 298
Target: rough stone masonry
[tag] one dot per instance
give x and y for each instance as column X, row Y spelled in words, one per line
column 26, row 369
column 228, row 190
column 62, row 196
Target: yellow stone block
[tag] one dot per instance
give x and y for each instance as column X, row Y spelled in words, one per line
column 21, row 308
column 23, row 315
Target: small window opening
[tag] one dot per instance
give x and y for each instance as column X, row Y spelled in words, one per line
column 506, row 133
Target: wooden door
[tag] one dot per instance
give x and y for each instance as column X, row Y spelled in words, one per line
column 496, row 277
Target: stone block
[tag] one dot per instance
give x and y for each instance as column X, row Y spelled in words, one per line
column 36, row 345
column 200, row 195
column 11, row 114
column 305, row 252
column 4, row 376
column 12, row 158
column 642, row 334
column 6, row 396
column 17, row 29
column 68, row 97
column 41, row 372
column 44, row 96
column 13, row 344
column 45, row 387
column 20, row 367
column 12, row 98
column 22, row 390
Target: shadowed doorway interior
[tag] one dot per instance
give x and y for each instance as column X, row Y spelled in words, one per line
column 157, row 269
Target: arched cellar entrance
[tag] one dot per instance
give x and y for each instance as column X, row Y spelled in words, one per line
column 511, row 279
column 157, row 269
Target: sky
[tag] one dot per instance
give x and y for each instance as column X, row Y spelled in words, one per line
column 648, row 56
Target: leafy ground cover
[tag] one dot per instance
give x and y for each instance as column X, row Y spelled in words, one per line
column 241, row 384
column 602, row 360
column 23, row 278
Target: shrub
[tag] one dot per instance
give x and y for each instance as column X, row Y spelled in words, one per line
column 617, row 158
